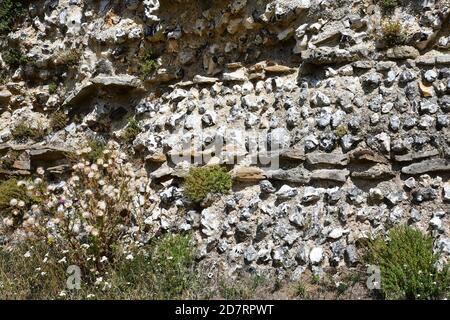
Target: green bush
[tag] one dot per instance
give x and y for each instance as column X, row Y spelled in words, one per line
column 393, row 33
column 23, row 132
column 52, row 88
column 408, row 265
column 97, row 148
column 131, row 131
column 58, row 120
column 15, row 58
column 201, row 181
column 148, row 65
column 10, row 11
column 9, row 189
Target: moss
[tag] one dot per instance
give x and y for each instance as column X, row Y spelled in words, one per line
column 15, row 58
column 23, row 132
column 341, row 131
column 148, row 65
column 393, row 33
column 131, row 131
column 408, row 265
column 58, row 120
column 202, row 181
column 10, row 12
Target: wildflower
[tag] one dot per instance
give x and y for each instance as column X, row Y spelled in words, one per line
column 13, row 202
column 101, row 205
column 94, row 232
column 103, row 259
column 94, row 167
column 21, row 204
column 21, row 183
column 129, row 257
column 37, row 181
column 86, row 215
column 91, row 175
column 100, row 162
column 63, row 260
column 88, row 192
column 62, row 294
column 90, row 296
column 8, row 222
column 27, row 254
column 101, row 182
column 40, row 171
column 98, row 280
column 15, row 212
column 99, row 213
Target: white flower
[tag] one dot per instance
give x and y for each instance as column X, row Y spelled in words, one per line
column 21, row 204
column 37, row 181
column 103, row 259
column 21, row 183
column 100, row 162
column 98, row 280
column 90, row 296
column 94, row 232
column 27, row 254
column 101, row 182
column 63, row 260
column 94, row 167
column 62, row 294
column 86, row 215
column 129, row 257
column 13, row 202
column 101, row 205
column 40, row 171
column 99, row 213
column 88, row 192
column 8, row 222
column 91, row 175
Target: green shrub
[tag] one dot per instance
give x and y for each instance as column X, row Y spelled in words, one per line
column 148, row 65
column 9, row 189
column 131, row 131
column 58, row 120
column 201, row 181
column 408, row 265
column 10, row 11
column 15, row 58
column 52, row 88
column 97, row 148
column 23, row 132
column 393, row 33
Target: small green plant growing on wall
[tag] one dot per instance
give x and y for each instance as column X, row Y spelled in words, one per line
column 70, row 57
column 389, row 4
column 58, row 120
column 204, row 180
column 131, row 131
column 408, row 265
column 148, row 64
column 393, row 33
column 15, row 58
column 24, row 131
column 10, row 11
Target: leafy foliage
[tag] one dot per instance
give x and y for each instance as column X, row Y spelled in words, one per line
column 389, row 4
column 131, row 131
column 202, row 181
column 24, row 131
column 15, row 58
column 10, row 11
column 10, row 189
column 52, row 88
column 148, row 64
column 70, row 57
column 408, row 265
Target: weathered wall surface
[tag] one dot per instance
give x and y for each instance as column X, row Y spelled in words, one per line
column 363, row 124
